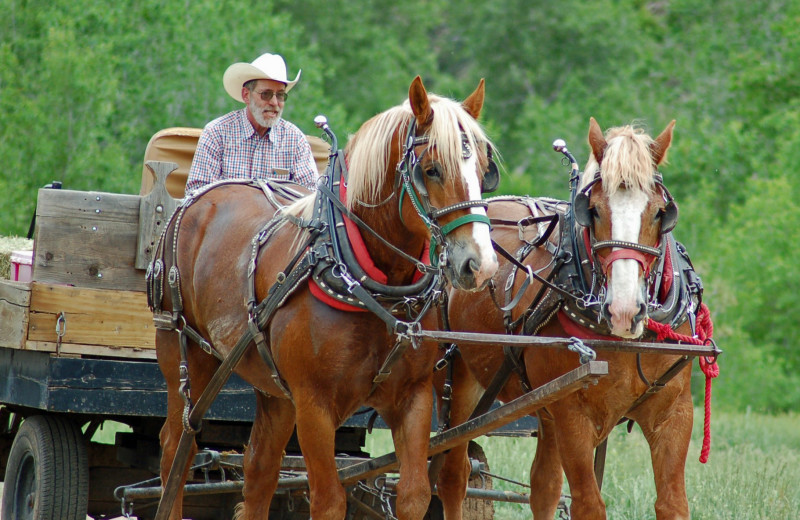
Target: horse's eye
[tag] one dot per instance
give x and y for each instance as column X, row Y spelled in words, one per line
column 434, row 171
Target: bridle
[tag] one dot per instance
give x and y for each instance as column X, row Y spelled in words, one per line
column 411, row 179
column 644, row 255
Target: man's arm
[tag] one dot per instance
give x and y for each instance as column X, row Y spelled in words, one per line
column 304, row 167
column 207, row 163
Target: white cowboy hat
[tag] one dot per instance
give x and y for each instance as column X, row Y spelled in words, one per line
column 266, row 66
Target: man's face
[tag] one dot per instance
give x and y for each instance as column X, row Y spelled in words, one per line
column 265, row 112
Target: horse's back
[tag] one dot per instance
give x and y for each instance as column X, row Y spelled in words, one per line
column 214, row 247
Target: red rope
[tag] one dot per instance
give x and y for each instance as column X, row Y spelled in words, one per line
column 704, row 331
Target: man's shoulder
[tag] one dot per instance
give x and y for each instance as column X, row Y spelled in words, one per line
column 290, row 130
column 225, row 123
column 289, row 127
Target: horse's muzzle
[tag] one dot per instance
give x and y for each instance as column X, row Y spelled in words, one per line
column 467, row 271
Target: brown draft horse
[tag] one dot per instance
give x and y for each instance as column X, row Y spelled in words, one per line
column 622, row 200
column 324, row 357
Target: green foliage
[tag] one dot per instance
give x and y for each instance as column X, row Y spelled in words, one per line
column 84, row 85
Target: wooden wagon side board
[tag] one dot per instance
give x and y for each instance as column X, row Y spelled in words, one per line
column 87, row 239
column 95, row 321
column 15, row 297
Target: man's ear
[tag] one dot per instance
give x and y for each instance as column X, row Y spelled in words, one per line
column 246, row 95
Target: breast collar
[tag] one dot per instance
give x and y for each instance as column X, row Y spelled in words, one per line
column 345, row 247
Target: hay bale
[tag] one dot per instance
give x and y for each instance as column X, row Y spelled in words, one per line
column 7, row 246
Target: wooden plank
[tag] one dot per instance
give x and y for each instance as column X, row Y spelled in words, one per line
column 92, row 317
column 87, row 205
column 87, row 239
column 103, row 351
column 15, row 299
column 155, row 210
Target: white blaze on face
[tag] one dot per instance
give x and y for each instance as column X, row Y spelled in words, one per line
column 480, row 231
column 624, row 291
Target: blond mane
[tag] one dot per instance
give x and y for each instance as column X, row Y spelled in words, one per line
column 627, row 161
column 368, row 151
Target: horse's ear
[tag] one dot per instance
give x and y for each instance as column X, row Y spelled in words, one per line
column 661, row 144
column 596, row 140
column 474, row 103
column 420, row 105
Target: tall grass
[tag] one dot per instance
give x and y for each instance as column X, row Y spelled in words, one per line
column 753, row 472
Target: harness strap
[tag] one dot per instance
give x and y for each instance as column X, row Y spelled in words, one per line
column 266, row 355
column 395, row 354
column 657, row 385
column 498, row 382
column 508, row 256
column 195, row 336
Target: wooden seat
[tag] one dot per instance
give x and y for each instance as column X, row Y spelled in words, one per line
column 171, row 145
column 178, row 145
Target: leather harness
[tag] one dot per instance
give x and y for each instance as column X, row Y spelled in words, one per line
column 574, row 260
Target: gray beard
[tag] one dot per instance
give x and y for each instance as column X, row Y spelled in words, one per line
column 258, row 115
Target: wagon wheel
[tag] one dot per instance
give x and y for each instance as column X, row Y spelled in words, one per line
column 477, row 508
column 47, row 476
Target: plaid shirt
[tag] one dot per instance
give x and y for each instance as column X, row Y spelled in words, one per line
column 230, row 148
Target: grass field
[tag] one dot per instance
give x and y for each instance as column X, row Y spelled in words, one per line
column 753, row 472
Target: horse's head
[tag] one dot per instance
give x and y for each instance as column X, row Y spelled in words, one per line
column 440, row 160
column 625, row 209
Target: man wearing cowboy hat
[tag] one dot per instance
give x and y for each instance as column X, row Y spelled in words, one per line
column 254, row 142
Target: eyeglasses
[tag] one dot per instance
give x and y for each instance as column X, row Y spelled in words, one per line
column 266, row 95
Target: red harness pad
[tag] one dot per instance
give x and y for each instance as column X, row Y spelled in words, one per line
column 364, row 260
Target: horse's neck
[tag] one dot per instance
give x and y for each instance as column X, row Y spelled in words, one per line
column 399, row 270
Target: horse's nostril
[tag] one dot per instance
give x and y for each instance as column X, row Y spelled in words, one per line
column 641, row 315
column 473, row 266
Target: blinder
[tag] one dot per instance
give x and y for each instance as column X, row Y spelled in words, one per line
column 418, row 180
column 581, row 210
column 584, row 213
column 491, row 177
column 669, row 217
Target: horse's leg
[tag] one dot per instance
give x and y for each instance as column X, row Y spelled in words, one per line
column 454, row 474
column 546, row 473
column 668, row 428
column 411, row 427
column 576, row 438
column 200, row 369
column 315, row 432
column 272, row 427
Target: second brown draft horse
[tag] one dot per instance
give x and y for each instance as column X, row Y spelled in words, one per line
column 615, row 254
column 410, row 180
